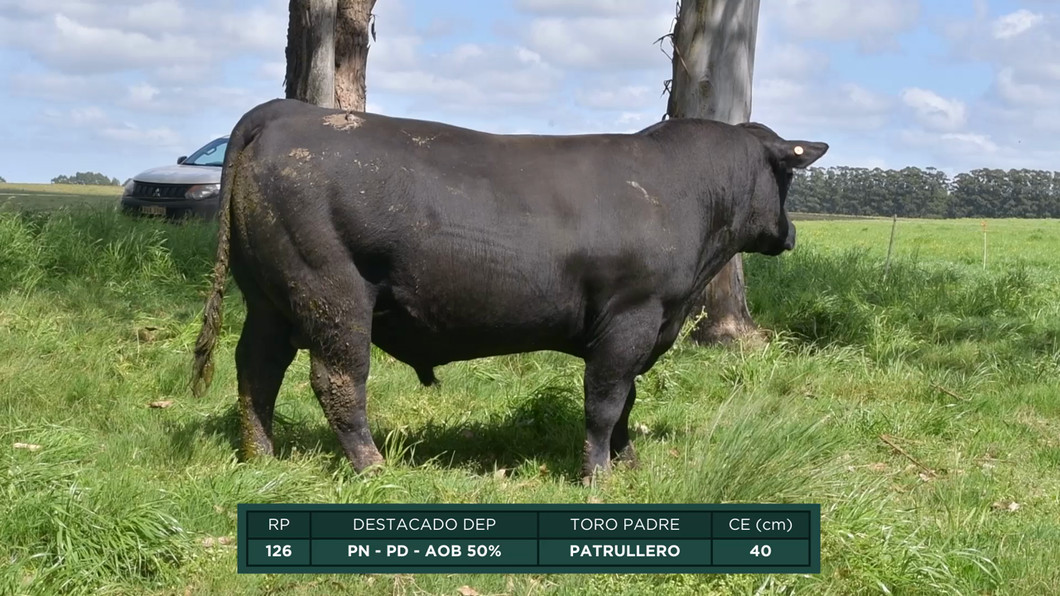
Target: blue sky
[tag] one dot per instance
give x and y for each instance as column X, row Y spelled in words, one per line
column 118, row 86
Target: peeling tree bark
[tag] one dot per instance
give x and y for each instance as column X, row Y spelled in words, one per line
column 351, row 53
column 713, row 64
column 311, row 52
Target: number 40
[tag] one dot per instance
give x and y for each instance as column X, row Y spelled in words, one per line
column 763, row 550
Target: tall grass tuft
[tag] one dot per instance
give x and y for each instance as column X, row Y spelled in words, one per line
column 102, row 247
column 757, row 449
column 70, row 531
column 823, row 299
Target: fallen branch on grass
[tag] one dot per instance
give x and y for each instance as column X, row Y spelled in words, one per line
column 903, row 452
column 950, row 393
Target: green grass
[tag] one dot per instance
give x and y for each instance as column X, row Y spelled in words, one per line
column 22, row 197
column 98, row 314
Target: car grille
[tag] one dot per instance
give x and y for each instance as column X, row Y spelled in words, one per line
column 159, row 192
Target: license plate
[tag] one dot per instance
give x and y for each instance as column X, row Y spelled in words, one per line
column 153, row 210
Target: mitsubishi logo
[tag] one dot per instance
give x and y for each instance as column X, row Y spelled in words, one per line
column 158, row 192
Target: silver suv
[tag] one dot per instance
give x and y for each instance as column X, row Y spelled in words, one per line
column 189, row 189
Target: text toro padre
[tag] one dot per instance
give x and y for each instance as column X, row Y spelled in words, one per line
column 628, row 523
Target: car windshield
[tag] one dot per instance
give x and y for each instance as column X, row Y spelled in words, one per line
column 213, row 154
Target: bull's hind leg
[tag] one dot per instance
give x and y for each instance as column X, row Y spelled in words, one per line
column 339, row 329
column 263, row 354
column 339, row 381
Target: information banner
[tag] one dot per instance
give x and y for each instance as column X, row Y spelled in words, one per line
column 527, row 538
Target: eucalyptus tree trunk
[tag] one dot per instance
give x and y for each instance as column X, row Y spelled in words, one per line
column 351, row 53
column 311, row 52
column 713, row 63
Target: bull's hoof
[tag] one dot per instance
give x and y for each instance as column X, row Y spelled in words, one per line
column 368, row 462
column 254, row 450
column 589, row 478
column 627, row 457
column 372, row 470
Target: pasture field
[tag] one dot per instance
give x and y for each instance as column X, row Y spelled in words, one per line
column 956, row 365
column 22, row 197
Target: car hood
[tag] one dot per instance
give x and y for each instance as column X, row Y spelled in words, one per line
column 180, row 174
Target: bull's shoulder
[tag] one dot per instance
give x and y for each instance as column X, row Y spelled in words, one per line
column 658, row 126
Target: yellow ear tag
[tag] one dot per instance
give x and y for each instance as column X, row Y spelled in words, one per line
column 798, row 150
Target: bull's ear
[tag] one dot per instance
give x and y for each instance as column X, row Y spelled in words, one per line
column 797, row 154
column 789, row 154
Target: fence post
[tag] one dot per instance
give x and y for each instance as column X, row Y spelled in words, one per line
column 984, row 244
column 890, row 247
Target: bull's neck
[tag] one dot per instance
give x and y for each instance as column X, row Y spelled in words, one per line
column 723, row 235
column 714, row 256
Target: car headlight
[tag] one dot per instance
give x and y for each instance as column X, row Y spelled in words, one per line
column 129, row 185
column 202, row 191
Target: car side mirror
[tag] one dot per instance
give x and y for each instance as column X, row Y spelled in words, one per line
column 181, row 160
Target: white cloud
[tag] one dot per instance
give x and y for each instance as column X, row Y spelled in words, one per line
column 88, row 9
column 585, row 7
column 191, row 73
column 58, row 87
column 935, row 112
column 471, row 77
column 969, row 150
column 142, row 93
column 1015, row 123
column 621, row 98
column 152, row 16
column 961, row 152
column 89, row 116
column 1015, row 23
column 788, row 60
column 175, row 40
column 600, row 42
column 1027, row 94
column 161, row 137
column 191, row 100
column 396, row 52
column 873, row 26
column 255, row 30
column 72, row 47
column 102, row 126
column 123, row 74
column 273, row 70
column 870, row 162
column 813, row 107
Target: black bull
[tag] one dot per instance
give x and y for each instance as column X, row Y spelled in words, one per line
column 439, row 244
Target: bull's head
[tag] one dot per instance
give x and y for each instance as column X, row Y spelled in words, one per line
column 771, row 231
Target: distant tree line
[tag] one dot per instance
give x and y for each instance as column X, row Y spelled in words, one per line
column 928, row 193
column 87, row 178
column 2, row 181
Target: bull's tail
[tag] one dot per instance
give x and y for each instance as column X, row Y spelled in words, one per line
column 244, row 132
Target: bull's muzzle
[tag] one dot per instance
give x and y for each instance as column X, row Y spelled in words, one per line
column 789, row 242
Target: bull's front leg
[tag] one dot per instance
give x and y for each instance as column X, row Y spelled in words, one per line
column 621, row 443
column 605, row 400
column 610, row 370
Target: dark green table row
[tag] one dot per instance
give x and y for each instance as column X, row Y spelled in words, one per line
column 515, row 553
column 445, row 525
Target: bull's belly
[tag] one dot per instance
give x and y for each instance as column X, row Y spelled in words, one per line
column 421, row 345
